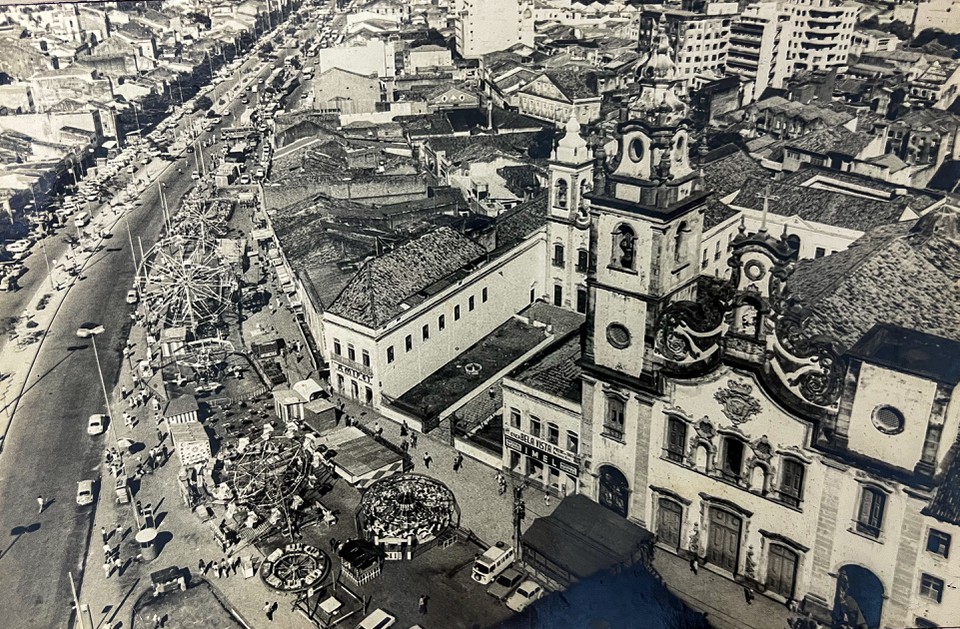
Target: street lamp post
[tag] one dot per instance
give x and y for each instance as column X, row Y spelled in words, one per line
column 91, row 333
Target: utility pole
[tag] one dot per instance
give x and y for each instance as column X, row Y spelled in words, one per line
column 519, row 514
column 76, row 603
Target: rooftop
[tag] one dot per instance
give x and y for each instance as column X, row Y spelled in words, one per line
column 833, row 198
column 836, row 139
column 906, row 275
column 383, row 286
column 910, row 351
column 495, row 352
column 556, row 373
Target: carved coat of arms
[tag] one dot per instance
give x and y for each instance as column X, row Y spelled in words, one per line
column 737, row 402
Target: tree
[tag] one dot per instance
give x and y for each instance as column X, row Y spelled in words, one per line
column 203, row 103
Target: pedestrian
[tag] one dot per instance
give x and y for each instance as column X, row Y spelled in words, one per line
column 107, row 551
column 119, row 532
column 748, row 595
column 422, row 604
column 695, row 564
column 377, row 428
column 202, row 567
column 426, row 460
column 457, row 462
column 413, row 440
column 107, row 569
column 103, row 534
column 123, row 392
column 41, row 503
column 118, row 564
column 215, row 569
column 404, row 446
column 160, row 435
column 268, row 611
column 546, row 500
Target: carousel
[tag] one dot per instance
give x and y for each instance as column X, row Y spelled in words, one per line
column 295, row 567
column 407, row 514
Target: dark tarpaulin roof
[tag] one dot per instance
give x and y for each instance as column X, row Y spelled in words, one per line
column 585, row 538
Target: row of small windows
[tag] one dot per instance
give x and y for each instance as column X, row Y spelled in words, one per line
column 351, row 354
column 559, row 258
column 441, row 324
column 733, row 462
column 551, row 435
column 581, row 298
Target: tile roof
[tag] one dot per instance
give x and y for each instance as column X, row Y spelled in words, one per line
column 945, row 505
column 556, row 373
column 830, row 115
column 803, row 194
column 519, row 222
column 464, row 148
column 832, row 140
column 574, row 82
column 903, row 274
column 376, row 293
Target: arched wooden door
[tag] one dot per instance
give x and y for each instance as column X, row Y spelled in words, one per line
column 614, row 490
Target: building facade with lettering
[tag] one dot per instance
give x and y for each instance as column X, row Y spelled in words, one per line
column 793, row 427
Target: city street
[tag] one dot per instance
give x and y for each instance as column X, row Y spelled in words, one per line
column 46, row 449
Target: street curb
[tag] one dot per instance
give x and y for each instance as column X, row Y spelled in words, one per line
column 15, row 404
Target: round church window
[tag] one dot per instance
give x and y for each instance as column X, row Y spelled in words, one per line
column 618, row 335
column 888, row 420
column 754, row 270
column 637, row 149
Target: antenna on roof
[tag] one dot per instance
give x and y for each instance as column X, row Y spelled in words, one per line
column 767, row 197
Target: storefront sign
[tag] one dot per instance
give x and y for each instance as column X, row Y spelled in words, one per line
column 552, row 455
column 353, row 373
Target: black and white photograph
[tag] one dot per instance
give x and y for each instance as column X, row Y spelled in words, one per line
column 479, row 314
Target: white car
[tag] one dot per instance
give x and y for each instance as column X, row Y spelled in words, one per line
column 96, row 424
column 19, row 246
column 377, row 619
column 132, row 296
column 528, row 592
column 85, row 492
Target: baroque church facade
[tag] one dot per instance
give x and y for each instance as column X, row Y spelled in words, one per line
column 811, row 459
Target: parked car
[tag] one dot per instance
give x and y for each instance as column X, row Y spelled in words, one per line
column 528, row 592
column 96, row 424
column 132, row 296
column 195, row 175
column 504, row 585
column 19, row 246
column 85, row 492
column 377, row 619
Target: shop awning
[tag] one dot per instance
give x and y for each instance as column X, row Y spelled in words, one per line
column 584, row 538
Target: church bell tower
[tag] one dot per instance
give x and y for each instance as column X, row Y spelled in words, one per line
column 571, row 179
column 646, row 214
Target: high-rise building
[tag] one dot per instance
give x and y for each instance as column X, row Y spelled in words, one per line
column 698, row 31
column 771, row 41
column 485, row 26
column 752, row 49
column 816, row 35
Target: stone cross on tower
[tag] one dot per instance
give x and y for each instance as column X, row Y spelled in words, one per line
column 767, row 198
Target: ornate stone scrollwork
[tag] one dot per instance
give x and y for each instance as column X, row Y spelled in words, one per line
column 809, row 364
column 688, row 332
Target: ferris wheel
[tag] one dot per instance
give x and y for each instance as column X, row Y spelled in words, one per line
column 201, row 219
column 185, row 282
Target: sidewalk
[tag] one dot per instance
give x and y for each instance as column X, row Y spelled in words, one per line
column 184, row 539
column 720, row 598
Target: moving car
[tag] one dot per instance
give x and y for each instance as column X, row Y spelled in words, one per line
column 528, row 592
column 503, row 586
column 96, row 424
column 377, row 619
column 85, row 492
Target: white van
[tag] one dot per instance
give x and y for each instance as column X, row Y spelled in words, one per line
column 495, row 560
column 81, row 219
